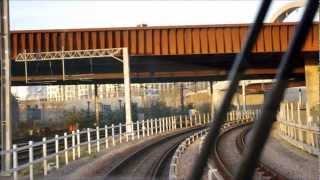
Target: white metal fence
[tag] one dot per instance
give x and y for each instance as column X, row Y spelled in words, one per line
column 233, row 118
column 295, row 128
column 60, row 150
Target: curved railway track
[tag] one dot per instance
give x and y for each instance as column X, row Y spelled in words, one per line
column 149, row 162
column 227, row 153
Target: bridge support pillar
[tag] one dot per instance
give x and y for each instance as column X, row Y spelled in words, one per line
column 312, row 76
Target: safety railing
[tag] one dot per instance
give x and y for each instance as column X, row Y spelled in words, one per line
column 295, row 128
column 233, row 118
column 60, row 150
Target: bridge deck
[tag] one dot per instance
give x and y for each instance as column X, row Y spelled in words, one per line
column 170, row 40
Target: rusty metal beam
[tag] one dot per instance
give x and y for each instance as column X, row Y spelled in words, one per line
column 154, row 41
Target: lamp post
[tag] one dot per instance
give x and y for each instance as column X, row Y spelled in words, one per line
column 96, row 104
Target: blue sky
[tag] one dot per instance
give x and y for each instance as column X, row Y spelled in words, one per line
column 57, row 14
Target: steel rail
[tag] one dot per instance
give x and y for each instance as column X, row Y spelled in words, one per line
column 262, row 127
column 115, row 171
column 217, row 157
column 234, row 77
column 158, row 170
column 262, row 168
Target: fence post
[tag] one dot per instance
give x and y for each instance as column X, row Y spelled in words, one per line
column 106, row 136
column 15, row 161
column 180, row 121
column 57, row 150
column 159, row 124
column 299, row 114
column 66, row 148
column 112, row 131
column 186, row 123
column 151, row 123
column 148, row 127
column 199, row 119
column 89, row 140
column 44, row 152
column 143, row 128
column 163, row 121
column 73, row 146
column 120, row 133
column 138, row 129
column 191, row 123
column 127, row 134
column 167, row 124
column 195, row 118
column 156, row 125
column 78, row 142
column 287, row 112
column 30, row 160
column 98, row 138
column 163, row 125
column 171, row 123
column 132, row 127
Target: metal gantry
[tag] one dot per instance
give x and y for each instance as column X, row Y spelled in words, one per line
column 62, row 55
column 263, row 124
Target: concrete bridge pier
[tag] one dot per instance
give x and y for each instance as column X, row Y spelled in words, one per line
column 312, row 76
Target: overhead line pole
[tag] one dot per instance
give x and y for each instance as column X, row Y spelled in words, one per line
column 6, row 135
column 127, row 90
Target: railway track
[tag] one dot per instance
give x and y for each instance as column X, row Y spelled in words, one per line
column 228, row 151
column 151, row 161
